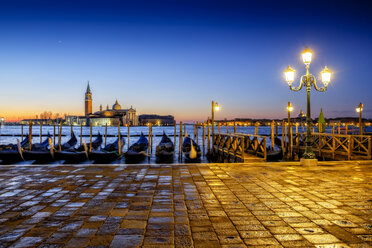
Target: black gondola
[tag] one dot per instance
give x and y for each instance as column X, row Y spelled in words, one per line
column 10, row 153
column 137, row 151
column 165, row 149
column 68, row 152
column 40, row 152
column 109, row 153
column 191, row 151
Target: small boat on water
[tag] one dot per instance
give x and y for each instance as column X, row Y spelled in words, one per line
column 137, row 151
column 11, row 153
column 69, row 153
column 191, row 150
column 109, row 153
column 40, row 152
column 165, row 149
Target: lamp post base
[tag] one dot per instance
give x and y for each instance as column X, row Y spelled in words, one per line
column 308, row 162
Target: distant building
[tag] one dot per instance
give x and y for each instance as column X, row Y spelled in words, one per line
column 110, row 117
column 163, row 120
column 2, row 121
column 41, row 121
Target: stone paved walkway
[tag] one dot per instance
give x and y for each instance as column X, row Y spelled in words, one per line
column 212, row 205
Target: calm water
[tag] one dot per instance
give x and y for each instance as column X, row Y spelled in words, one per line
column 134, row 132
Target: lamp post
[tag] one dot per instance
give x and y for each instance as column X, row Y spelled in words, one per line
column 359, row 110
column 289, row 110
column 308, row 80
column 216, row 107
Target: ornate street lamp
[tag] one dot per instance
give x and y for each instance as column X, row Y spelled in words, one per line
column 308, row 80
column 359, row 110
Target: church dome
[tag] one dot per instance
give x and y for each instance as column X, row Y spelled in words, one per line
column 116, row 106
column 108, row 113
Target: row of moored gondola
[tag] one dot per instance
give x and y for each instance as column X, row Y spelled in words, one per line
column 45, row 152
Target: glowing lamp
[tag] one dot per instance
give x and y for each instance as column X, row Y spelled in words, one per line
column 306, row 56
column 217, row 107
column 359, row 108
column 326, row 76
column 289, row 75
column 290, row 108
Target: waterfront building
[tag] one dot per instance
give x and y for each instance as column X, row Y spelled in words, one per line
column 2, row 121
column 161, row 120
column 41, row 121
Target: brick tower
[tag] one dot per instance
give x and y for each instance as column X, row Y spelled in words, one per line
column 88, row 101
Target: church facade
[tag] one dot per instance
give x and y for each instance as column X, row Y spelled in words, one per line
column 109, row 116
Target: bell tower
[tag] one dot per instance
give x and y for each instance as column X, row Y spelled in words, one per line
column 88, row 101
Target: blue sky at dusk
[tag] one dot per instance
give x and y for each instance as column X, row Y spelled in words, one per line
column 174, row 57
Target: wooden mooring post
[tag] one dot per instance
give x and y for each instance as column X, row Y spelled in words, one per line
column 175, row 133
column 203, row 138
column 41, row 132
column 90, row 138
column 21, row 131
column 30, row 135
column 81, row 133
column 272, row 135
column 59, row 137
column 128, row 134
column 180, row 138
column 119, row 137
column 54, row 135
column 283, row 137
column 209, row 138
column 197, row 133
column 106, row 133
column 219, row 127
column 235, row 130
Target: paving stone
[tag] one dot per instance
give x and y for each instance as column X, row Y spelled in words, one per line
column 196, row 205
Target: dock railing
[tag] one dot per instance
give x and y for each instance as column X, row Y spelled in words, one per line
column 239, row 146
column 336, row 146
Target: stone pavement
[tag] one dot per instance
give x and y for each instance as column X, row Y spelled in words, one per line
column 198, row 205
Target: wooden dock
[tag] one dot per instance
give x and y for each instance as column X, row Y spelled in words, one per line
column 236, row 147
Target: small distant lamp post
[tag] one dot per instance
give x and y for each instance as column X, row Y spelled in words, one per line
column 215, row 107
column 289, row 110
column 308, row 80
column 359, row 110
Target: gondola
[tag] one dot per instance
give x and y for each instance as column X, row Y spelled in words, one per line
column 107, row 154
column 191, row 150
column 68, row 152
column 137, row 151
column 165, row 149
column 11, row 153
column 40, row 152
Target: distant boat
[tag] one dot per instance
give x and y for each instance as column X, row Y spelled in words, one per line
column 40, row 152
column 191, row 150
column 107, row 154
column 11, row 153
column 137, row 151
column 165, row 149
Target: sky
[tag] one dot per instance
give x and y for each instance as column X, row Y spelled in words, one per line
column 176, row 56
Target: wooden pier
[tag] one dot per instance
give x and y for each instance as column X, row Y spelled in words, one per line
column 330, row 146
column 234, row 147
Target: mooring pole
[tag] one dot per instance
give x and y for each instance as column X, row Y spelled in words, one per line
column 119, row 141
column 128, row 135
column 30, row 135
column 203, row 138
column 54, row 134
column 21, row 131
column 59, row 137
column 90, row 138
column 106, row 132
column 41, row 132
column 175, row 133
column 81, row 133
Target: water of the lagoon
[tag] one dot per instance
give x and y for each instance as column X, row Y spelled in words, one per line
column 12, row 133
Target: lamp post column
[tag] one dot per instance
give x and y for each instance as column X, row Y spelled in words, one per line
column 308, row 154
column 212, row 123
column 360, row 119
